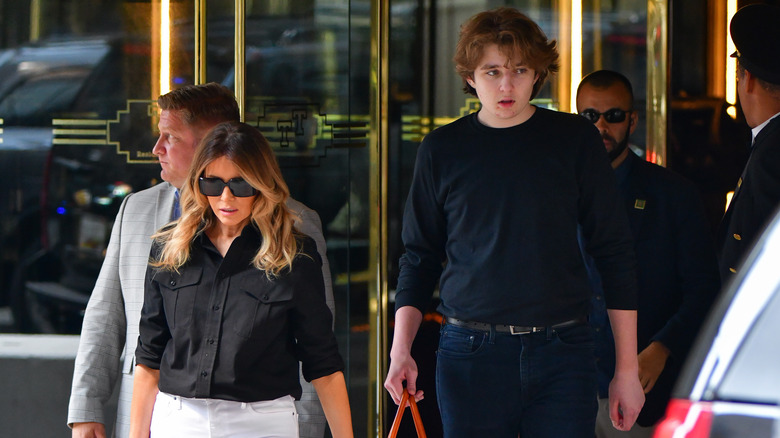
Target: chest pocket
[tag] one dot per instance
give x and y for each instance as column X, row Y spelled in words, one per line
column 258, row 305
column 178, row 291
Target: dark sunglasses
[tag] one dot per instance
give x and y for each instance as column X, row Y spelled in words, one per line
column 215, row 187
column 612, row 115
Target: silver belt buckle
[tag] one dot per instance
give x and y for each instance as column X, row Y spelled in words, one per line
column 516, row 330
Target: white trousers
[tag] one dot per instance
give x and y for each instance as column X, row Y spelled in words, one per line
column 175, row 416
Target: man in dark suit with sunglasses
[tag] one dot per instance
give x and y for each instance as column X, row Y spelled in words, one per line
column 676, row 266
column 756, row 35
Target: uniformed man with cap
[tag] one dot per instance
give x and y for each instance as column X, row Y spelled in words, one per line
column 756, row 34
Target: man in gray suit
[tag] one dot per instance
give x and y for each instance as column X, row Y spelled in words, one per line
column 110, row 330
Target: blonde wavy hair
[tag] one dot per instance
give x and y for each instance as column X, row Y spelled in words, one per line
column 250, row 152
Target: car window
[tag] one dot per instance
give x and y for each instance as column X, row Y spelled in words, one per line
column 754, row 374
column 38, row 99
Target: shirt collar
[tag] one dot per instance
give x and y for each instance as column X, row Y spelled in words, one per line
column 758, row 128
column 250, row 237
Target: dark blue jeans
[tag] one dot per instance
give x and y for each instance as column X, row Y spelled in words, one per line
column 539, row 385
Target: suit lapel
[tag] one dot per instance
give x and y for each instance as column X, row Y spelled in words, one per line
column 164, row 208
column 760, row 138
column 635, row 195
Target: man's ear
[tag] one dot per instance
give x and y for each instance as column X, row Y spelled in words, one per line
column 633, row 121
column 749, row 79
column 470, row 81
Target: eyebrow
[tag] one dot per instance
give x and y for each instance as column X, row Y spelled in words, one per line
column 492, row 66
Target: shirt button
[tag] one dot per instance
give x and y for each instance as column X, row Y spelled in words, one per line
column 216, row 307
column 173, row 283
column 204, row 373
column 265, row 297
column 211, row 341
column 737, row 237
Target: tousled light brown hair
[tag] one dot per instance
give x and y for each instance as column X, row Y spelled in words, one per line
column 250, row 152
column 517, row 37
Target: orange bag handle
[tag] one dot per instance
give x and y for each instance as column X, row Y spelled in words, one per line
column 418, row 424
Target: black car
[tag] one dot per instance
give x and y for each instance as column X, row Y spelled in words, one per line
column 730, row 386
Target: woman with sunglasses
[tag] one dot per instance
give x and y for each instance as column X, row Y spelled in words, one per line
column 234, row 299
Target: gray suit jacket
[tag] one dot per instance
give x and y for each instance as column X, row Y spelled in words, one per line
column 110, row 329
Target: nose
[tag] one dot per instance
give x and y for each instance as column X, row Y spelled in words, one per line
column 158, row 148
column 601, row 124
column 227, row 194
column 506, row 82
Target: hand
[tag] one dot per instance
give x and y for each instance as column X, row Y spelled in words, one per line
column 625, row 400
column 402, row 368
column 652, row 361
column 88, row 430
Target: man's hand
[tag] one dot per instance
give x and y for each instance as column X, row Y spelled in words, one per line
column 652, row 361
column 625, row 400
column 625, row 392
column 88, row 430
column 402, row 368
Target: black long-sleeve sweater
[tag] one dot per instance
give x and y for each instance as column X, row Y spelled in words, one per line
column 492, row 215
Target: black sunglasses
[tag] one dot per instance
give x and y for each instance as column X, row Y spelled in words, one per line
column 215, row 187
column 612, row 115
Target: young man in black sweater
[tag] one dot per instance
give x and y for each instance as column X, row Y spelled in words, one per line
column 492, row 215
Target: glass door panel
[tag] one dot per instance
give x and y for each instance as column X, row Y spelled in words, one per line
column 307, row 90
column 77, row 83
column 615, row 38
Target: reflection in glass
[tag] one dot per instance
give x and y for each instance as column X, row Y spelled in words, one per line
column 72, row 148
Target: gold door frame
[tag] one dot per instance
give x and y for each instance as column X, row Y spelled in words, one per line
column 378, row 176
column 657, row 79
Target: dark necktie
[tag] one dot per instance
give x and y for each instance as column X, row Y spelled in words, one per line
column 176, row 206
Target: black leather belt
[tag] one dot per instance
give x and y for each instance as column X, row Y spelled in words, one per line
column 511, row 329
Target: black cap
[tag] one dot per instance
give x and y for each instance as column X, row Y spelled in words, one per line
column 755, row 30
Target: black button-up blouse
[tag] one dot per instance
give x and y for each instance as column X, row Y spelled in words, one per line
column 219, row 328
